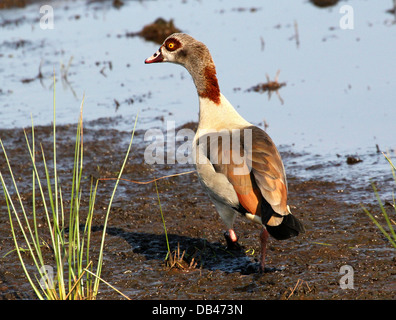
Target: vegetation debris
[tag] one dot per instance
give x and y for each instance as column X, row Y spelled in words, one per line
column 157, row 31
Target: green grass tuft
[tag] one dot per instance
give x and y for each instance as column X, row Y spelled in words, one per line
column 389, row 223
column 70, row 274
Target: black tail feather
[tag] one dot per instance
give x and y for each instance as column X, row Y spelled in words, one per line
column 290, row 227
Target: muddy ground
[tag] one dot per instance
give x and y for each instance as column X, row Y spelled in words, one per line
column 306, row 267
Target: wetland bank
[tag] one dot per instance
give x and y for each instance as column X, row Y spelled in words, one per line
column 338, row 233
column 325, row 191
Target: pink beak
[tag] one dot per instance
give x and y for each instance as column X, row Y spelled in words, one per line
column 156, row 57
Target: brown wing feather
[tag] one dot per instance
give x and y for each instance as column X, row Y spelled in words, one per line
column 255, row 173
column 267, row 168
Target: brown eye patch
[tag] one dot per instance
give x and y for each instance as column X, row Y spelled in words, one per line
column 172, row 44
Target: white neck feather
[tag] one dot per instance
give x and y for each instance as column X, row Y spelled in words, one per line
column 214, row 116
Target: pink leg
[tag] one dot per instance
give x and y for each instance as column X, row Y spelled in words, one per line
column 263, row 241
column 232, row 240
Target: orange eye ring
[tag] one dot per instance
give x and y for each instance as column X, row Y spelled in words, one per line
column 171, row 45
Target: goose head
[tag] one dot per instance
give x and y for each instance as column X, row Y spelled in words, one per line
column 181, row 48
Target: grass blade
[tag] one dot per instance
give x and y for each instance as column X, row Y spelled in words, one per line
column 163, row 221
column 391, row 236
column 100, row 259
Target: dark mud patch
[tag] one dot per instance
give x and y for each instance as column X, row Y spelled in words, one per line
column 269, row 86
column 7, row 4
column 13, row 3
column 157, row 31
column 306, row 267
column 324, row 3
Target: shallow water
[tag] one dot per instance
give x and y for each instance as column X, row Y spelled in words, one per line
column 340, row 84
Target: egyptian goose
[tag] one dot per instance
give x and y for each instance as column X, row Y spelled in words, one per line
column 239, row 167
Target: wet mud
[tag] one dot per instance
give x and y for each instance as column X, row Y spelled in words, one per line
column 307, row 267
column 7, row 4
column 13, row 3
column 157, row 31
column 324, row 3
column 338, row 233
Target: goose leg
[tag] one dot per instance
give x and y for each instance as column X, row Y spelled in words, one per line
column 232, row 240
column 263, row 242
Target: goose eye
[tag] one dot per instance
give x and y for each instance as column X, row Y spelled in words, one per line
column 171, row 45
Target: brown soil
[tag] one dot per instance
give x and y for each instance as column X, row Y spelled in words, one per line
column 324, row 3
column 12, row 3
column 157, row 31
column 306, row 267
column 7, row 4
